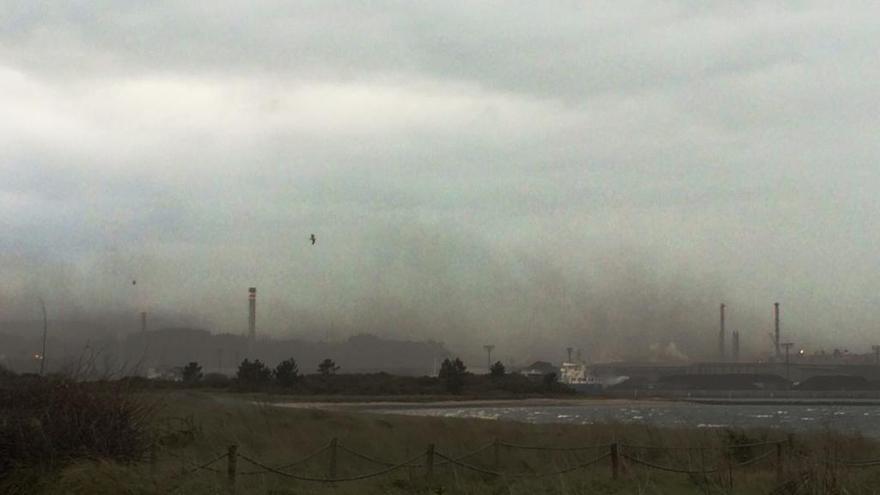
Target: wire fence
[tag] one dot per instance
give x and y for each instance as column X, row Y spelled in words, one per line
column 620, row 457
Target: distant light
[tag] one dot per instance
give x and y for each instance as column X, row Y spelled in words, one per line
column 801, row 352
column 38, row 356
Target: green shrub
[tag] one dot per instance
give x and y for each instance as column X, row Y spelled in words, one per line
column 49, row 422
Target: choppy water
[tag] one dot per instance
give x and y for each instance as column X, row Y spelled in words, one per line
column 850, row 419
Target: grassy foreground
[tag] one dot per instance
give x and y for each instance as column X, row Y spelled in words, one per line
column 198, row 426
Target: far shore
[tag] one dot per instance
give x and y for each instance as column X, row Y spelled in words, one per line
column 435, row 402
column 366, row 403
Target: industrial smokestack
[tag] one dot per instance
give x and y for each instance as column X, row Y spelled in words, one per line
column 735, row 345
column 252, row 314
column 776, row 340
column 721, row 336
column 488, row 348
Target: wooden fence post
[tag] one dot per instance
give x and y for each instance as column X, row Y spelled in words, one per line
column 154, row 459
column 779, row 458
column 703, row 467
column 729, row 472
column 331, row 468
column 231, row 458
column 615, row 461
column 496, row 454
column 828, row 472
column 429, row 465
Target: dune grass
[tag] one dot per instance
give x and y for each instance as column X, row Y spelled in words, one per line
column 194, row 427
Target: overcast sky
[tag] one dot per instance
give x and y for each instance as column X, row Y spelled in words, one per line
column 535, row 175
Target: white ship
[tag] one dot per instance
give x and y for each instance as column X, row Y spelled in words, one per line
column 580, row 377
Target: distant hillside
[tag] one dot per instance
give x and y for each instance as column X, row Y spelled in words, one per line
column 223, row 352
column 108, row 347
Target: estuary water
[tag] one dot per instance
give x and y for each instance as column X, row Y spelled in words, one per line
column 861, row 419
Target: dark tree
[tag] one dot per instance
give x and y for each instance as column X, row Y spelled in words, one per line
column 327, row 367
column 191, row 373
column 6, row 372
column 452, row 373
column 254, row 373
column 550, row 380
column 287, row 373
column 497, row 370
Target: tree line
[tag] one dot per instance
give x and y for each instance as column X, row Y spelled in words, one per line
column 453, row 377
column 255, row 372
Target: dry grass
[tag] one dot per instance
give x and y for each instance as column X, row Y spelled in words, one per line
column 278, row 435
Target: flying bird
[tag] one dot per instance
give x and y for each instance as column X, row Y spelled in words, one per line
column 313, row 239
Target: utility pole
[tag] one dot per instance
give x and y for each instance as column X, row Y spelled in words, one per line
column 776, row 329
column 721, row 336
column 144, row 340
column 488, row 348
column 735, row 344
column 252, row 321
column 876, row 354
column 45, row 332
column 252, row 313
column 787, row 346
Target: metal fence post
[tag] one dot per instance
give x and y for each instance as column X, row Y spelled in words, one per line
column 429, row 465
column 231, row 458
column 615, row 461
column 331, row 468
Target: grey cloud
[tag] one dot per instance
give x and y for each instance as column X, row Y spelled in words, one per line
column 533, row 174
column 555, row 50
